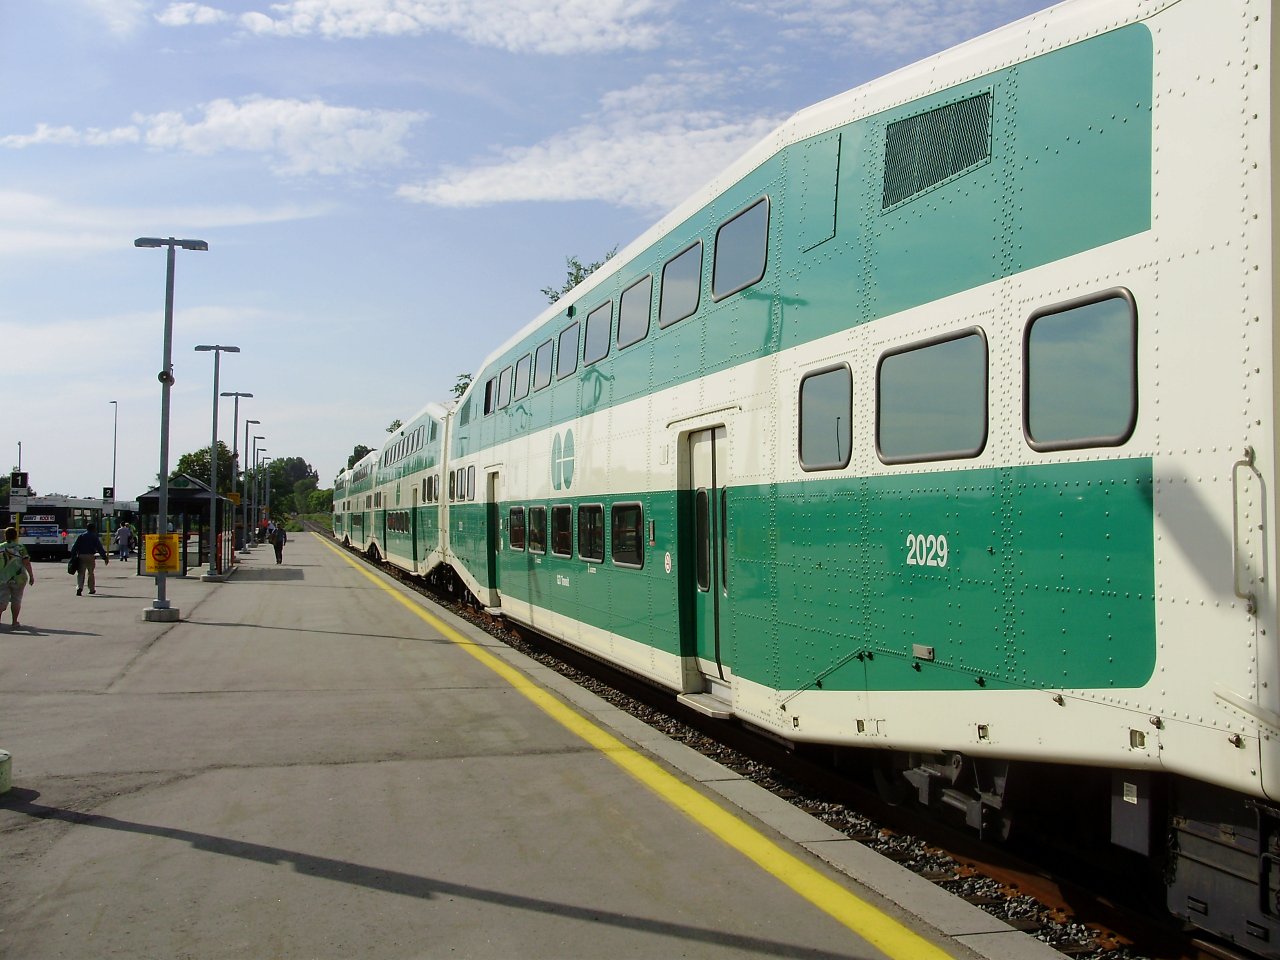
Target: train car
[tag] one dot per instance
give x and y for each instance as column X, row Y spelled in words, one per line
column 943, row 423
column 407, row 493
column 354, row 513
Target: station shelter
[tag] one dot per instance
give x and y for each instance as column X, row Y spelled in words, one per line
column 189, row 518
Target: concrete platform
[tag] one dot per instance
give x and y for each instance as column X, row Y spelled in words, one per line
column 316, row 763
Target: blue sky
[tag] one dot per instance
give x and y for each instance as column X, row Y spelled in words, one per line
column 385, row 187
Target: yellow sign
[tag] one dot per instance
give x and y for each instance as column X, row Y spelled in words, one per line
column 162, row 553
column 234, row 498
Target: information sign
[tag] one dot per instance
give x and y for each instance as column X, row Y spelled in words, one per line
column 162, row 553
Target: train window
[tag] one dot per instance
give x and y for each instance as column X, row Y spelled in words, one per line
column 826, row 415
column 627, row 522
column 681, row 286
column 542, row 365
column 490, row 393
column 1080, row 386
column 521, row 389
column 741, row 250
column 931, row 400
column 504, row 388
column 591, row 533
column 633, row 313
column 432, row 438
column 562, row 530
column 702, row 534
column 515, row 528
column 471, row 483
column 595, row 345
column 425, row 485
column 464, row 417
column 537, row 529
column 453, row 476
column 568, row 362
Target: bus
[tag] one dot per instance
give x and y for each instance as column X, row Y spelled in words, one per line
column 49, row 525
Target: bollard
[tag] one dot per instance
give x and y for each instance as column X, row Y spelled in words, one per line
column 6, row 779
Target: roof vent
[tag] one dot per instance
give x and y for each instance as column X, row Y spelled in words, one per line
column 933, row 147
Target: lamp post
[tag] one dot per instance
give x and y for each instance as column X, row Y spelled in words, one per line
column 244, row 500
column 235, row 450
column 266, row 470
column 257, row 486
column 115, row 436
column 160, row 609
column 218, row 350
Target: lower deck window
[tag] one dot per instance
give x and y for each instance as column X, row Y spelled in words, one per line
column 931, row 400
column 562, row 530
column 627, row 523
column 537, row 529
column 515, row 528
column 591, row 533
column 1081, row 373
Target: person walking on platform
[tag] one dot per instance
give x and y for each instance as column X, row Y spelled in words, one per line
column 122, row 540
column 15, row 573
column 84, row 550
column 278, row 540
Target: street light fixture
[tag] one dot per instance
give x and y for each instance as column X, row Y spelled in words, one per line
column 218, row 350
column 160, row 610
column 244, row 500
column 235, row 448
column 257, row 486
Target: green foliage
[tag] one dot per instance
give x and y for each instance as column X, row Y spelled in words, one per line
column 459, row 388
column 396, row 424
column 196, row 464
column 302, row 491
column 358, row 454
column 575, row 273
column 320, row 501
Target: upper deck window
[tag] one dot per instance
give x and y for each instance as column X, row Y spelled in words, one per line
column 741, row 249
column 521, row 389
column 681, row 286
column 542, row 365
column 633, row 313
column 826, row 415
column 568, row 361
column 596, row 343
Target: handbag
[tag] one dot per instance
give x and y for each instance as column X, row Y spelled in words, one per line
column 73, row 565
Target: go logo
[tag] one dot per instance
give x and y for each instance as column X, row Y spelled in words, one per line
column 562, row 461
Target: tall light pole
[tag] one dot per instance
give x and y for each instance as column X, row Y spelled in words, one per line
column 257, row 485
column 218, row 350
column 244, row 500
column 115, row 436
column 235, row 448
column 267, row 470
column 160, row 609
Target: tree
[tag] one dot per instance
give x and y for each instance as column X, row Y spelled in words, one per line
column 321, row 501
column 459, row 388
column 396, row 424
column 302, row 491
column 196, row 464
column 358, row 454
column 575, row 273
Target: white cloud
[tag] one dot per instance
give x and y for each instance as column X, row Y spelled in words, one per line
column 122, row 17
column 301, row 137
column 897, row 27
column 541, row 26
column 36, row 224
column 188, row 14
column 631, row 154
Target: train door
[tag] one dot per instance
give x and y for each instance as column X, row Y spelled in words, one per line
column 413, row 527
column 493, row 528
column 705, row 530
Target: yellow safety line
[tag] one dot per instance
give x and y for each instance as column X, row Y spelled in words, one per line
column 881, row 931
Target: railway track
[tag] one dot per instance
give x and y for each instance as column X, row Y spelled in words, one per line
column 1079, row 906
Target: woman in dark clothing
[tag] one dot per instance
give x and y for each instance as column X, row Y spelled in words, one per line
column 84, row 550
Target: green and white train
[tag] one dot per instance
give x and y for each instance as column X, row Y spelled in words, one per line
column 941, row 423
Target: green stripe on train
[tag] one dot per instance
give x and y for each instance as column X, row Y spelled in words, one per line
column 1017, row 577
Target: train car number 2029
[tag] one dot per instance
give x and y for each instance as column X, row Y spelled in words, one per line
column 926, row 551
